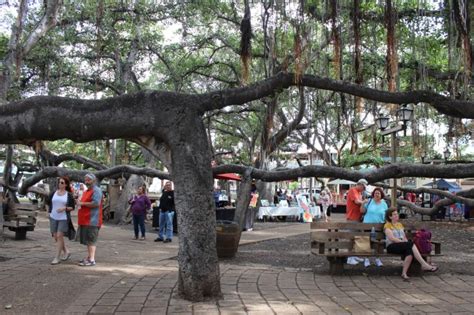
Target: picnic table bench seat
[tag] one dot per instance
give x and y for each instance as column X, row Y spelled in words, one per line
column 21, row 219
column 335, row 240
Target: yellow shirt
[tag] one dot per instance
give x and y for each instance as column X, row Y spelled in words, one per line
column 397, row 230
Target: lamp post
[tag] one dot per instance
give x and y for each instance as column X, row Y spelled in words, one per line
column 403, row 114
column 446, row 154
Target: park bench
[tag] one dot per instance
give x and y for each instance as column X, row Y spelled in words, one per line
column 335, row 240
column 21, row 219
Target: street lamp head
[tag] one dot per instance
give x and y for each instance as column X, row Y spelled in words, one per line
column 404, row 114
column 382, row 122
column 446, row 154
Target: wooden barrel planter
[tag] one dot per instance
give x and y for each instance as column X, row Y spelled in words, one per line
column 227, row 238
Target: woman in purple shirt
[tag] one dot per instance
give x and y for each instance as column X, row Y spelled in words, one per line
column 139, row 205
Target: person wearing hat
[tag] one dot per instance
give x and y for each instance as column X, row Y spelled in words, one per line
column 89, row 218
column 354, row 201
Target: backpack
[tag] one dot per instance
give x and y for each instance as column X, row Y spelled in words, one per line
column 422, row 240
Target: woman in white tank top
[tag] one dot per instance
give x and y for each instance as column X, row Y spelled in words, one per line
column 61, row 201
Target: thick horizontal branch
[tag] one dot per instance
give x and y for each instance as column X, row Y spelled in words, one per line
column 36, row 190
column 80, row 159
column 426, row 211
column 120, row 117
column 396, row 170
column 460, row 196
column 77, row 175
column 238, row 96
column 155, row 113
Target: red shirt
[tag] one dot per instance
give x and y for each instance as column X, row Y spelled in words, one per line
column 353, row 209
column 87, row 215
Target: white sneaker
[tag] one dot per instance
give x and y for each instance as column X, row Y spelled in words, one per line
column 366, row 262
column 358, row 259
column 378, row 262
column 352, row 261
column 55, row 261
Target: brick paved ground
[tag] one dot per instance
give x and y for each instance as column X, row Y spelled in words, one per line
column 140, row 277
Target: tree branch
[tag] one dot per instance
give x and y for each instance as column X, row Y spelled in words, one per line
column 239, row 96
column 396, row 170
column 80, row 159
column 78, row 175
column 48, row 21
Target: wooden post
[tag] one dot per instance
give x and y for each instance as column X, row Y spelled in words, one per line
column 336, row 265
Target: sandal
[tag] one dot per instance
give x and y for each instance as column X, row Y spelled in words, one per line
column 432, row 269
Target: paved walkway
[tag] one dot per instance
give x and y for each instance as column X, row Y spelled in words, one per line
column 140, row 277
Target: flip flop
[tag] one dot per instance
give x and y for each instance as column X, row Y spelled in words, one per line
column 433, row 269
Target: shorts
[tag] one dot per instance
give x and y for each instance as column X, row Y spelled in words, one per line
column 56, row 226
column 403, row 249
column 88, row 235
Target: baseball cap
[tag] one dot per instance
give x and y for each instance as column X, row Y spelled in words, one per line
column 91, row 176
column 362, row 181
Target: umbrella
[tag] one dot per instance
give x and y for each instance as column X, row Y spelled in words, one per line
column 341, row 182
column 227, row 176
column 443, row 184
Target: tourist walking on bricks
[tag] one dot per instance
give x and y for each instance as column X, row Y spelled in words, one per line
column 167, row 208
column 374, row 209
column 325, row 203
column 397, row 243
column 139, row 204
column 90, row 218
column 61, row 202
column 354, row 201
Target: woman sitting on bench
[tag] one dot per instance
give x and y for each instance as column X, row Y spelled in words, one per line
column 397, row 243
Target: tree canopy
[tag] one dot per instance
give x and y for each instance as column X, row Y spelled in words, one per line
column 237, row 81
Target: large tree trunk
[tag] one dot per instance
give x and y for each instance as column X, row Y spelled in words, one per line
column 243, row 199
column 462, row 18
column 121, row 207
column 197, row 257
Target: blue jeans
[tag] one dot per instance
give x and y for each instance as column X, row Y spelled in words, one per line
column 166, row 225
column 139, row 221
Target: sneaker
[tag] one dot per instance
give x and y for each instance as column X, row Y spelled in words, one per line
column 358, row 259
column 87, row 262
column 159, row 239
column 366, row 262
column 66, row 257
column 55, row 261
column 168, row 240
column 83, row 260
column 142, row 238
column 352, row 261
column 249, row 230
column 378, row 262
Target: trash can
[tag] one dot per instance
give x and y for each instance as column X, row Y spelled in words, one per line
column 227, row 238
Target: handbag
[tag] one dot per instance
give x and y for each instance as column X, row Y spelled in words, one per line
column 71, row 234
column 363, row 210
column 362, row 244
column 71, row 231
